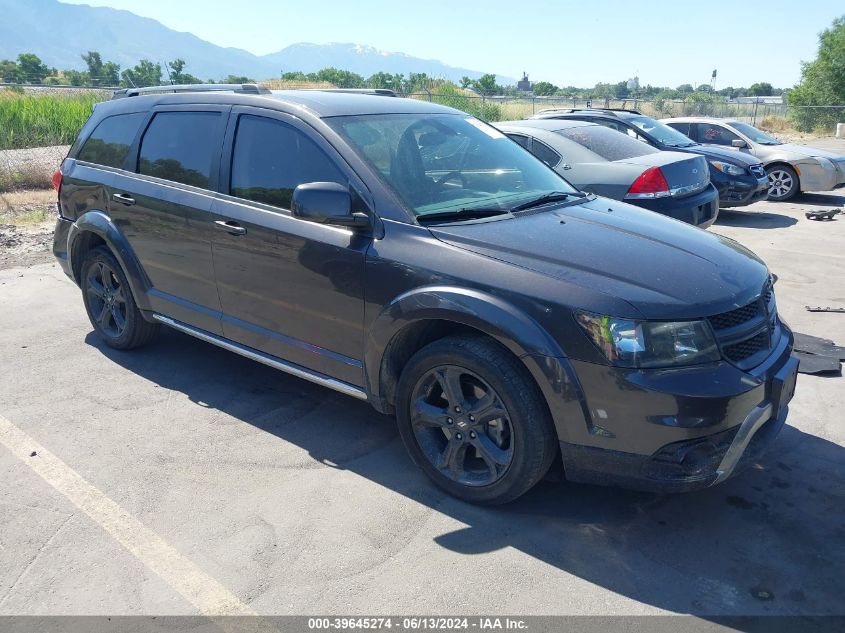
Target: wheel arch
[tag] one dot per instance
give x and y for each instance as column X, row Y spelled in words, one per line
column 426, row 314
column 95, row 228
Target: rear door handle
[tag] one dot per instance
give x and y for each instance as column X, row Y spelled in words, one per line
column 123, row 198
column 232, row 228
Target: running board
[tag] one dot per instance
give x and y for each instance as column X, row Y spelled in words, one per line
column 266, row 359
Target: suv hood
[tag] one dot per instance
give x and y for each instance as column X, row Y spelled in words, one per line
column 664, row 268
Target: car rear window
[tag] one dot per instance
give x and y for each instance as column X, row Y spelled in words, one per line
column 272, row 158
column 607, row 143
column 180, row 146
column 109, row 142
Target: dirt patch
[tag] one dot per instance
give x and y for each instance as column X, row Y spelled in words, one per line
column 27, row 219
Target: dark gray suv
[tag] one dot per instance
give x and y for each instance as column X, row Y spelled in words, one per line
column 412, row 256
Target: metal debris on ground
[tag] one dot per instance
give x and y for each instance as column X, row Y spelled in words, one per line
column 825, row 309
column 817, row 355
column 821, row 214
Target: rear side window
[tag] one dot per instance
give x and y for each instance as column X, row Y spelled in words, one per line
column 607, row 143
column 545, row 153
column 684, row 128
column 109, row 142
column 270, row 159
column 519, row 138
column 180, row 146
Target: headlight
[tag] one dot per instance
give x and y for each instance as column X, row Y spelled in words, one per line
column 728, row 168
column 630, row 343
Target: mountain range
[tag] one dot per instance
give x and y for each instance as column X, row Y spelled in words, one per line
column 59, row 33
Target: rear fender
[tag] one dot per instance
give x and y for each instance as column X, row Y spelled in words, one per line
column 100, row 224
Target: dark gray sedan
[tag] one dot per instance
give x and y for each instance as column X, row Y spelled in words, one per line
column 608, row 163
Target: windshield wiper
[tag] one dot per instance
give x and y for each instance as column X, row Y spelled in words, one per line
column 466, row 213
column 552, row 196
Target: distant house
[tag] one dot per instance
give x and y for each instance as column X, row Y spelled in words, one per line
column 523, row 85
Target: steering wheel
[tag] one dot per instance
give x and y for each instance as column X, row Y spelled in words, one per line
column 447, row 176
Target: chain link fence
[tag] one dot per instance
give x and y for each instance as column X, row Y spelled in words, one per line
column 38, row 123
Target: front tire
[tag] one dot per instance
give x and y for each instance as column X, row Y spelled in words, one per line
column 474, row 421
column 109, row 302
column 783, row 182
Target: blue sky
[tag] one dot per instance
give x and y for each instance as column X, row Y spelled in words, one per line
column 577, row 42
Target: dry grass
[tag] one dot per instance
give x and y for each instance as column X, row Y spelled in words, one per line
column 776, row 124
column 27, row 207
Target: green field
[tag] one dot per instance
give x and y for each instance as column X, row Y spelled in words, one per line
column 42, row 120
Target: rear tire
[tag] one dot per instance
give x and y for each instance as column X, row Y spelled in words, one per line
column 474, row 420
column 783, row 182
column 109, row 302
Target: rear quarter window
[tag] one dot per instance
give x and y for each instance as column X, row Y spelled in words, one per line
column 110, row 141
column 609, row 144
column 181, row 146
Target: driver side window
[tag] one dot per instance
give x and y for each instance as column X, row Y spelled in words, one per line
column 712, row 134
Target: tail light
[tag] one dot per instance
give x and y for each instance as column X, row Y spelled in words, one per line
column 57, row 180
column 649, row 184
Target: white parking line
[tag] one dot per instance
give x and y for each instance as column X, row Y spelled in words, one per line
column 197, row 587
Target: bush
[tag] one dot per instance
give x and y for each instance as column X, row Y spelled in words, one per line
column 454, row 97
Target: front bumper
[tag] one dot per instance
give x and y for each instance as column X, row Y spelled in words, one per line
column 679, row 430
column 700, row 209
column 821, row 176
column 736, row 192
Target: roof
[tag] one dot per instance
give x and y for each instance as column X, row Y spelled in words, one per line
column 551, row 125
column 698, row 119
column 319, row 103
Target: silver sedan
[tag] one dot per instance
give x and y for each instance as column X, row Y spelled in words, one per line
column 791, row 168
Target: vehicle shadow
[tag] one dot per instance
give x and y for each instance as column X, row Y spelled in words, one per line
column 821, row 199
column 768, row 542
column 754, row 219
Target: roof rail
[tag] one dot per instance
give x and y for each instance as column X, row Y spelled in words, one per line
column 383, row 92
column 593, row 109
column 239, row 88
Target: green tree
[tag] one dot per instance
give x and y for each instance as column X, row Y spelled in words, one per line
column 385, row 80
column 621, row 89
column 31, row 69
column 685, row 88
column 9, row 72
column 145, row 73
column 177, row 75
column 822, row 82
column 762, row 89
column 544, row 88
column 486, row 85
column 237, row 79
column 466, row 82
column 94, row 62
column 340, row 78
column 76, row 77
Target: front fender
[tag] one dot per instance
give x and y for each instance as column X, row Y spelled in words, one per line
column 500, row 320
column 100, row 224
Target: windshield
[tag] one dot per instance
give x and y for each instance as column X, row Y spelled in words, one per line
column 439, row 163
column 754, row 134
column 663, row 133
column 607, row 143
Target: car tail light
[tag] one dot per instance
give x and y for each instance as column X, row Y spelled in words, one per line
column 57, row 180
column 649, row 184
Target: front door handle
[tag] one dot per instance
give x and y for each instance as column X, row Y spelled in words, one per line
column 232, row 228
column 123, row 198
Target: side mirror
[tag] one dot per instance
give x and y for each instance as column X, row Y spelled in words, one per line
column 738, row 142
column 326, row 203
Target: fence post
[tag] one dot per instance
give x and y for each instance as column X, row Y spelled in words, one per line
column 754, row 116
column 533, row 104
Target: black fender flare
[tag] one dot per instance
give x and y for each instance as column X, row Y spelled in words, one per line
column 100, row 224
column 495, row 317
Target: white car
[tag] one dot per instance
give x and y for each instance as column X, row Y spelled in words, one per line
column 791, row 168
